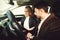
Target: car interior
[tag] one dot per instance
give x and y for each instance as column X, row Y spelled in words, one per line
column 10, row 29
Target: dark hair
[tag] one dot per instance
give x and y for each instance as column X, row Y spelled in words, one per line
column 29, row 8
column 41, row 4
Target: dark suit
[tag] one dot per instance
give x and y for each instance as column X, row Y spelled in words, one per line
column 33, row 21
column 50, row 29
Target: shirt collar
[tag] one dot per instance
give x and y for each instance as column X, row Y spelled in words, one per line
column 27, row 16
column 46, row 17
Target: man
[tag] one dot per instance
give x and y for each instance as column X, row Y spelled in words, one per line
column 29, row 21
column 49, row 27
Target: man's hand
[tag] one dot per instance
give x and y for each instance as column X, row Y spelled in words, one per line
column 29, row 35
column 19, row 22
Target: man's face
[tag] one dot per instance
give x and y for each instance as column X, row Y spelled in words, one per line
column 37, row 12
column 27, row 12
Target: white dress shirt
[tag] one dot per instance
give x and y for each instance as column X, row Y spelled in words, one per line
column 26, row 24
column 42, row 21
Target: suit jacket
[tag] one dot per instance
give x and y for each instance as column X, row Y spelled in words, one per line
column 33, row 21
column 50, row 29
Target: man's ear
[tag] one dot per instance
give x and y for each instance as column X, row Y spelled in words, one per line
column 36, row 9
column 42, row 10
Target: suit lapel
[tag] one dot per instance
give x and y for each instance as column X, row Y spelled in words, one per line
column 46, row 22
column 30, row 22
